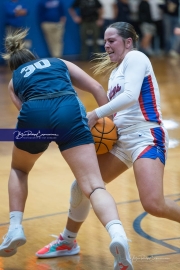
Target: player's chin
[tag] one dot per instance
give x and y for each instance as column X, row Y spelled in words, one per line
column 112, row 58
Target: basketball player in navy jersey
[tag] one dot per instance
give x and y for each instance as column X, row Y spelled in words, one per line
column 42, row 91
column 134, row 102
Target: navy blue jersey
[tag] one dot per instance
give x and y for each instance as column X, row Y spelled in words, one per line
column 42, row 78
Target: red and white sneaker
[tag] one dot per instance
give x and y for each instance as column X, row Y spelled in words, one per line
column 57, row 248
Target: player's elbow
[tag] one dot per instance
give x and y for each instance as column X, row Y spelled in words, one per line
column 97, row 88
column 132, row 99
column 100, row 88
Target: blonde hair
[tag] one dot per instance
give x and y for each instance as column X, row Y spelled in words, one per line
column 104, row 64
column 16, row 54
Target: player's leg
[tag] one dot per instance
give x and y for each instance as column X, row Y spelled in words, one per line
column 83, row 163
column 149, row 171
column 79, row 209
column 149, row 178
column 110, row 167
column 22, row 163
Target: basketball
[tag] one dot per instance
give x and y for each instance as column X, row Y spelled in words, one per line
column 104, row 134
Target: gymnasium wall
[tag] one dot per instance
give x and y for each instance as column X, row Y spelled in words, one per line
column 37, row 42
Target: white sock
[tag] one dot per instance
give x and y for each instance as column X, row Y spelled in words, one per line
column 115, row 227
column 15, row 218
column 68, row 235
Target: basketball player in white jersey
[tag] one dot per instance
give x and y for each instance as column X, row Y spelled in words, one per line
column 134, row 103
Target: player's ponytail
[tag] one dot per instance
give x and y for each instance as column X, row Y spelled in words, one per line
column 16, row 53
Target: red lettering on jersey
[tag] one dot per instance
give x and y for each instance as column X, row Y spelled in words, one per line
column 115, row 90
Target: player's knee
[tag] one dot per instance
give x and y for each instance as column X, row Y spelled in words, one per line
column 154, row 207
column 76, row 194
column 22, row 166
column 20, row 171
column 79, row 204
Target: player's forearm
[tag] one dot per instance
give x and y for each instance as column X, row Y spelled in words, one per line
column 121, row 102
column 100, row 95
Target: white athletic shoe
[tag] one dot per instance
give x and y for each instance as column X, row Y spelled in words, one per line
column 120, row 250
column 12, row 240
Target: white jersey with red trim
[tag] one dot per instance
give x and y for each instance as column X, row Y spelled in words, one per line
column 133, row 93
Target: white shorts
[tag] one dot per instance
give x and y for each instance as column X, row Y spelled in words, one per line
column 149, row 143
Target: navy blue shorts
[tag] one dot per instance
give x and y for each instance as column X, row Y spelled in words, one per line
column 42, row 121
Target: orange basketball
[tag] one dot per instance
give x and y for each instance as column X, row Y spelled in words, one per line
column 105, row 135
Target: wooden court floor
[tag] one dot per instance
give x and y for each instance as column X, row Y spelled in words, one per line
column 155, row 243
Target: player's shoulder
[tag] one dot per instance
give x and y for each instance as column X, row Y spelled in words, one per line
column 57, row 61
column 136, row 57
column 136, row 54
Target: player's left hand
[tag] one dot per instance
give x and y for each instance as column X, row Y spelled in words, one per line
column 92, row 118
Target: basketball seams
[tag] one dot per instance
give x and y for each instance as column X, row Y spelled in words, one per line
column 101, row 136
column 104, row 138
column 100, row 145
column 95, row 127
column 104, row 134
